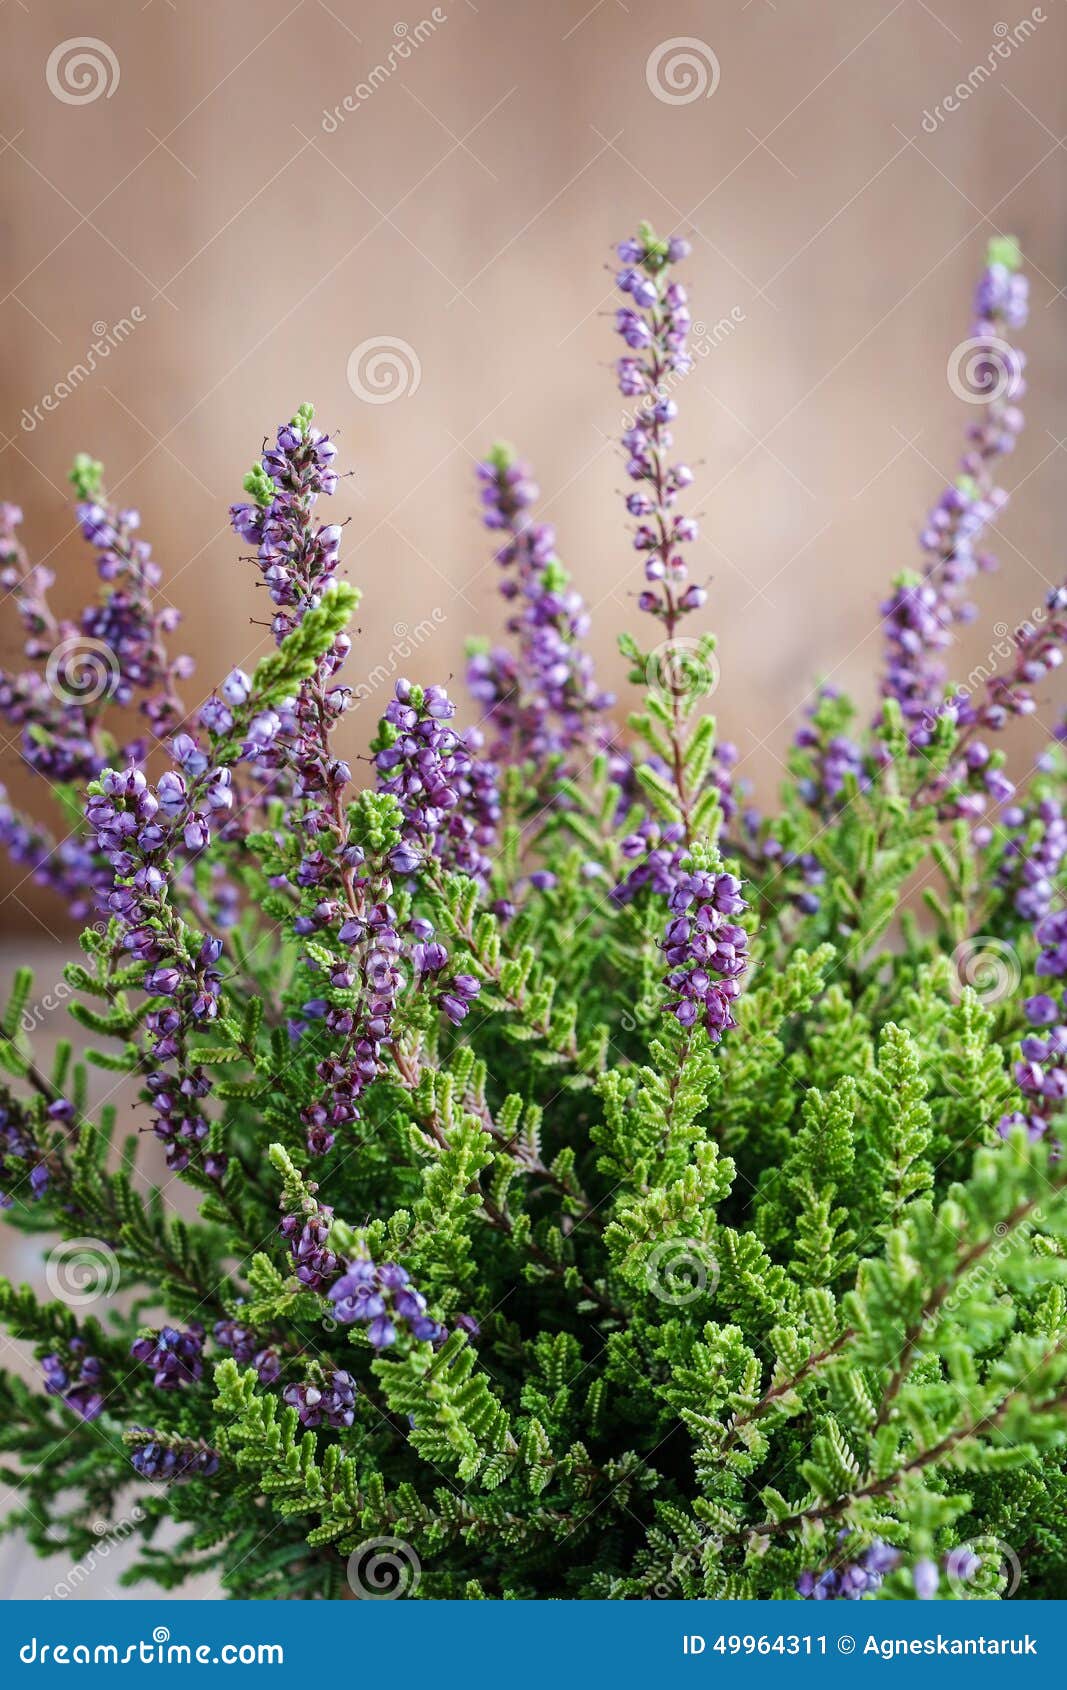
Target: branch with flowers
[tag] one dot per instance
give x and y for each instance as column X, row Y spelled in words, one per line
column 601, row 1189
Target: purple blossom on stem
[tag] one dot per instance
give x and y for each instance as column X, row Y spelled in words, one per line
column 381, row 1298
column 137, row 829
column 448, row 797
column 176, row 1358
column 329, row 1400
column 17, row 1142
column 1033, row 856
column 850, row 1581
column 344, row 903
column 706, row 950
column 829, row 756
column 77, row 1378
column 127, row 621
column 115, row 652
column 541, row 700
column 308, row 1239
column 169, row 1462
column 923, row 609
column 655, row 324
column 975, row 775
column 296, row 556
column 247, row 1350
column 1041, row 1071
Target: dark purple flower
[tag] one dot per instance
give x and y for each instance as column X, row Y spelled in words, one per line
column 168, row 1462
column 176, row 1358
column 330, row 1400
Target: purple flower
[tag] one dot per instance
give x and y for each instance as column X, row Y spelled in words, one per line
column 171, row 1461
column 308, row 1238
column 706, row 951
column 541, row 700
column 379, row 1297
column 18, row 1146
column 923, row 610
column 176, row 1358
column 849, row 1581
column 926, row 1579
column 330, row 1400
column 77, row 1378
column 447, row 795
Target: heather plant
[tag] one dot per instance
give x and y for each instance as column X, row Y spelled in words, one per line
column 593, row 1188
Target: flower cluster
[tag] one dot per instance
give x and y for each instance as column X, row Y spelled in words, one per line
column 296, row 556
column 128, row 623
column 655, row 325
column 17, row 1140
column 247, row 1350
column 706, row 951
column 77, row 1378
column 850, row 1581
column 377, row 1297
column 176, row 1358
column 137, row 829
column 114, row 653
column 831, row 758
column 1041, row 1072
column 541, row 701
column 1031, row 859
column 920, row 615
column 308, row 1236
column 329, row 1400
column 168, row 1462
column 447, row 794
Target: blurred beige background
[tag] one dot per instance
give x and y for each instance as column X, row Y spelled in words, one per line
column 465, row 203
